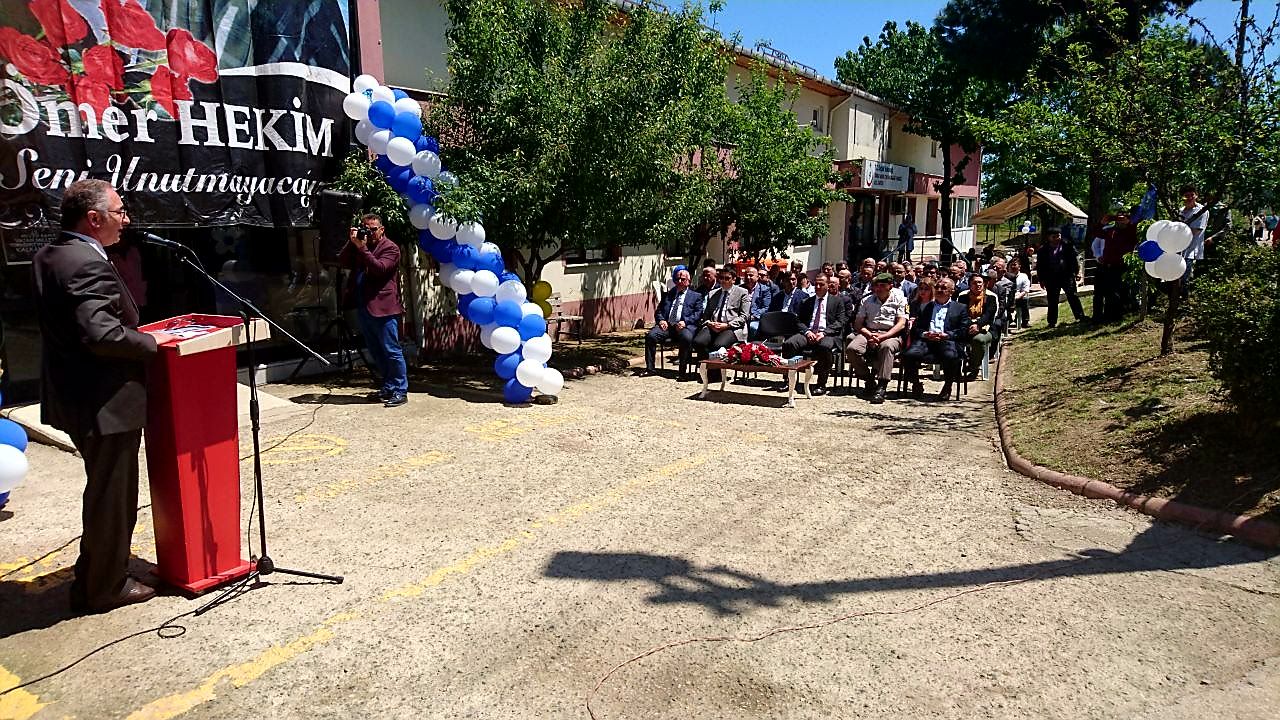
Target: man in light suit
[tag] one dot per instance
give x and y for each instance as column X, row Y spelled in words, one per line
column 675, row 319
column 940, row 330
column 724, row 315
column 761, row 297
column 93, row 384
column 821, row 321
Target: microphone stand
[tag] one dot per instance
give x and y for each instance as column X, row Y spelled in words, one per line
column 265, row 565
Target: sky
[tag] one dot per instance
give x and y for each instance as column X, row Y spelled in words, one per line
column 815, row 32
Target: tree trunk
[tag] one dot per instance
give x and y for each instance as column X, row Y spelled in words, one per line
column 946, row 248
column 1175, row 299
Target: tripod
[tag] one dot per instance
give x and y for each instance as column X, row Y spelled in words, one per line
column 337, row 325
column 265, row 565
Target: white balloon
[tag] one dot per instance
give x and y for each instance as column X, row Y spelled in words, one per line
column 426, row 164
column 529, row 308
column 420, row 215
column 512, row 290
column 538, row 348
column 471, row 234
column 484, row 283
column 364, row 129
column 385, row 94
column 551, row 382
column 505, row 340
column 1167, row 267
column 446, row 271
column 488, row 247
column 442, row 227
column 1153, row 230
column 461, row 281
column 486, row 334
column 356, row 106
column 13, row 464
column 529, row 372
column 401, row 151
column 365, row 82
column 408, row 104
column 1175, row 237
column 378, row 140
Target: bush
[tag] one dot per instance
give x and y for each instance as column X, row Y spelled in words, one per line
column 1235, row 306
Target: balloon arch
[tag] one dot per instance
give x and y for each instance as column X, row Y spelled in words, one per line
column 389, row 123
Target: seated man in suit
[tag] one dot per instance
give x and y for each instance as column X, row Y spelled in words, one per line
column 877, row 328
column 788, row 297
column 821, row 320
column 675, row 319
column 724, row 315
column 937, row 335
column 761, row 296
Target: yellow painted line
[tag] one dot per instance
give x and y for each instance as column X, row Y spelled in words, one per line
column 239, row 675
column 301, row 449
column 19, row 704
column 392, row 471
column 501, row 429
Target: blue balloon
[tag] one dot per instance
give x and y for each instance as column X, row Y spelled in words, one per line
column 464, row 301
column 426, row 142
column 532, row 326
column 399, row 94
column 492, row 262
column 1149, row 250
column 4, row 499
column 442, row 250
column 11, row 433
column 480, row 311
column 465, row 256
column 399, row 180
column 505, row 365
column 406, row 125
column 384, row 164
column 507, row 314
column 507, row 275
column 382, row 114
column 515, row 393
column 420, row 191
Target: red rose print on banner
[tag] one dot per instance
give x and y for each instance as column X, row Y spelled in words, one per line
column 36, row 61
column 166, row 86
column 103, row 65
column 190, row 57
column 86, row 90
column 62, row 24
column 8, row 36
column 130, row 25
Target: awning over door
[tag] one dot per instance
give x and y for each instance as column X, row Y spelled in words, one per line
column 1016, row 205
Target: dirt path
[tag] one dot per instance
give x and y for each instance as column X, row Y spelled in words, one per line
column 500, row 560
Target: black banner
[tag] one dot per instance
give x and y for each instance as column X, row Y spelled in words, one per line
column 200, row 112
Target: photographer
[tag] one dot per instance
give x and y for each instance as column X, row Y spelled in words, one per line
column 373, row 291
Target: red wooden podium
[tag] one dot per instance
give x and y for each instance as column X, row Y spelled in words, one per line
column 193, row 450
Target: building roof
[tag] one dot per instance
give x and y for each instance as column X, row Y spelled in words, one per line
column 1015, row 205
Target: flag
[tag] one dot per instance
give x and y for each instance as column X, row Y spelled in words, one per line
column 1146, row 209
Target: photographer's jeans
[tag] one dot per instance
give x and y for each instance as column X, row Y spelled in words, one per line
column 382, row 338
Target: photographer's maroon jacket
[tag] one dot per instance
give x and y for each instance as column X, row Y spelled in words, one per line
column 379, row 260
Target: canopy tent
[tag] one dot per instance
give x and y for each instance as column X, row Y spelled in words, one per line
column 1017, row 204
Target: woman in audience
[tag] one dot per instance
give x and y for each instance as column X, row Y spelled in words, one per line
column 982, row 304
column 922, row 296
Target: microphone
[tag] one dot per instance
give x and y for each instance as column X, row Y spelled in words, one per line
column 150, row 239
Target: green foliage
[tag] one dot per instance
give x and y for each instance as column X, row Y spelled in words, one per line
column 778, row 189
column 577, row 117
column 360, row 176
column 1236, row 307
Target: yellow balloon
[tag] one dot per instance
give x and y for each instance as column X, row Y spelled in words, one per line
column 541, row 290
column 546, row 307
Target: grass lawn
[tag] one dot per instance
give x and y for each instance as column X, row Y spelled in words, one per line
column 1100, row 402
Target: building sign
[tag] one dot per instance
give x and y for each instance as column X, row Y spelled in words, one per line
column 208, row 112
column 884, row 176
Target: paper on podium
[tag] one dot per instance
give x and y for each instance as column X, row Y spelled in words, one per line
column 198, row 333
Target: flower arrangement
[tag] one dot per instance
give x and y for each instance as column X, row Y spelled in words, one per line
column 112, row 53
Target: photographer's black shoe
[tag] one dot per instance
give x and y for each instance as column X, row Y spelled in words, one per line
column 396, row 400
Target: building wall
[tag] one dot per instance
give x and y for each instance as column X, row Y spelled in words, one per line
column 413, row 44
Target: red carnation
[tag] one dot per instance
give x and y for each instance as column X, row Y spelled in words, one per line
column 89, row 91
column 188, row 56
column 131, row 26
column 166, row 87
column 103, row 65
column 36, row 61
column 62, row 24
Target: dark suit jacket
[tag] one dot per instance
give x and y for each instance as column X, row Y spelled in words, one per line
column 689, row 313
column 380, row 292
column 94, row 360
column 956, row 328
column 836, row 314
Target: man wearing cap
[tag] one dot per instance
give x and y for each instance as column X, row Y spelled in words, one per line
column 877, row 328
column 1108, row 285
column 675, row 319
column 1058, row 269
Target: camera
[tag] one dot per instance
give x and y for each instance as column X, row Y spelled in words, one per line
column 364, row 233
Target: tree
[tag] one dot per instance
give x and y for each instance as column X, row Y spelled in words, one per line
column 908, row 69
column 577, row 115
column 780, row 176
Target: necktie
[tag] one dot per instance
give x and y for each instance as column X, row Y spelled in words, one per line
column 677, row 309
column 723, row 301
column 817, row 315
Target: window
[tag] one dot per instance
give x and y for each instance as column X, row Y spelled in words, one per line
column 898, row 205
column 587, row 256
column 933, row 149
column 816, row 122
column 961, row 212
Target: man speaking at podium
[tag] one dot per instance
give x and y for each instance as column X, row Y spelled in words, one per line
column 93, row 384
